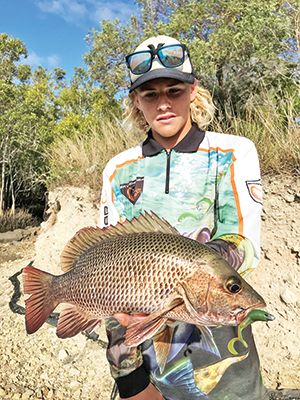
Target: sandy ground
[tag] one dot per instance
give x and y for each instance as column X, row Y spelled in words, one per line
column 41, row 366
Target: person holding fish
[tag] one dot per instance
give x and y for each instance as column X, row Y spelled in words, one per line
column 207, row 186
column 180, row 228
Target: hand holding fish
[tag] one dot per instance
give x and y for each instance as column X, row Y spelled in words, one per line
column 124, row 318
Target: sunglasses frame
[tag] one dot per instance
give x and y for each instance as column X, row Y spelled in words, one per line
column 155, row 52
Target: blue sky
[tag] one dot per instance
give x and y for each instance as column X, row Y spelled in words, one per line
column 54, row 31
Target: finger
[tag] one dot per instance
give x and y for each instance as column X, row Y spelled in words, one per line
column 122, row 318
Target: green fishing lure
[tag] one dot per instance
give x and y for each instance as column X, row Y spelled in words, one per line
column 254, row 315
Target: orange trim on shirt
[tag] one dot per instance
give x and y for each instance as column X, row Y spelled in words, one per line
column 216, row 149
column 237, row 199
column 112, row 195
column 235, row 192
column 122, row 165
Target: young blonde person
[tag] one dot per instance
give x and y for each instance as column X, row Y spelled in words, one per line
column 205, row 184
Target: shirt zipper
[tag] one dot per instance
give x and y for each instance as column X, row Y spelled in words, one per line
column 168, row 171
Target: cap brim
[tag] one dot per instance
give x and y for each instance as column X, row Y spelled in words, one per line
column 163, row 73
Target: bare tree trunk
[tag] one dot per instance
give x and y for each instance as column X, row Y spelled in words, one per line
column 13, row 197
column 2, row 189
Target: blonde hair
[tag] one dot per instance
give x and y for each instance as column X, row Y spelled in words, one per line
column 202, row 111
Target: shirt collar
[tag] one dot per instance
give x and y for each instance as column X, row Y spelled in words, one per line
column 189, row 144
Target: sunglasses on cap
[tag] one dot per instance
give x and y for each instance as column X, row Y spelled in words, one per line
column 170, row 56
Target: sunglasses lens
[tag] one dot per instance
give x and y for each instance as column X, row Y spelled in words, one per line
column 171, row 56
column 140, row 63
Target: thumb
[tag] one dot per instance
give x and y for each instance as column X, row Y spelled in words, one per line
column 122, row 318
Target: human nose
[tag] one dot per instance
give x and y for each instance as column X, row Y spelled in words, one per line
column 163, row 103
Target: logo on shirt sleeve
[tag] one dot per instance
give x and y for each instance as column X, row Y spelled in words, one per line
column 255, row 190
column 133, row 189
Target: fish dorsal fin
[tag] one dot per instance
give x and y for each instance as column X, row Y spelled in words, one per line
column 88, row 237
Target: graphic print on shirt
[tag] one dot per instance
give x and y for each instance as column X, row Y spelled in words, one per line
column 133, row 189
column 183, row 371
column 255, row 190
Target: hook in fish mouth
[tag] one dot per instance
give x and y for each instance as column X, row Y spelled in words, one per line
column 241, row 313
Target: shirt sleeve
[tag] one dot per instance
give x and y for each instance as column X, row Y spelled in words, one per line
column 236, row 250
column 126, row 363
column 239, row 204
column 108, row 212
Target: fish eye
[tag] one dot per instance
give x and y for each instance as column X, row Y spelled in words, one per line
column 234, row 285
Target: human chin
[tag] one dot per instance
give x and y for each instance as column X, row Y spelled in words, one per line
column 167, row 130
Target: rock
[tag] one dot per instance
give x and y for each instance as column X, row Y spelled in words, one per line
column 74, row 371
column 296, row 248
column 27, row 394
column 287, row 296
column 45, row 392
column 62, row 354
column 75, row 385
column 289, row 198
column 50, row 395
column 77, row 394
column 17, row 235
column 292, row 279
column 39, row 394
column 11, row 236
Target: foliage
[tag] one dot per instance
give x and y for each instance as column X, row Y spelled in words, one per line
column 234, row 44
column 36, row 107
column 80, row 160
column 10, row 52
column 245, row 52
column 81, row 104
column 27, row 120
column 105, row 60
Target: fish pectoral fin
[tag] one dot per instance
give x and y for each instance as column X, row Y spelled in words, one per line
column 141, row 328
column 73, row 320
column 162, row 344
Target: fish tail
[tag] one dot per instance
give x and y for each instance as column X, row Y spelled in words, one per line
column 39, row 305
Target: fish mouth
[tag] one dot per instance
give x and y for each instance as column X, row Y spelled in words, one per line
column 241, row 313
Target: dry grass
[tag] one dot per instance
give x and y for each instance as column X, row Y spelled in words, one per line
column 275, row 131
column 80, row 161
column 272, row 127
column 21, row 219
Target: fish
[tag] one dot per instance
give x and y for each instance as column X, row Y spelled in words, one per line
column 142, row 266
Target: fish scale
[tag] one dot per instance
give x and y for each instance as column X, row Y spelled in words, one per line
column 124, row 271
column 143, row 266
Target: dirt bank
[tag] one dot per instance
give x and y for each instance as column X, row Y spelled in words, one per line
column 41, row 366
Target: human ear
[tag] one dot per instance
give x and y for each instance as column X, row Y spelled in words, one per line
column 135, row 98
column 194, row 90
